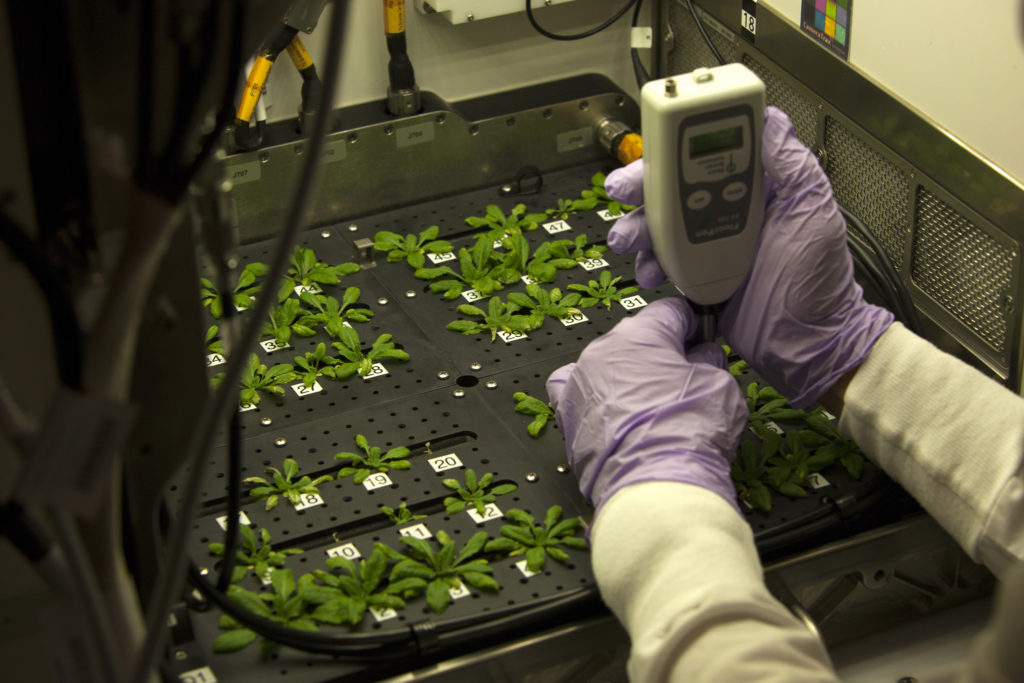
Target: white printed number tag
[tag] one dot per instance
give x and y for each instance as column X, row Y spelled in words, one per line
column 526, row 571
column 632, row 303
column 593, row 264
column 445, row 462
column 308, row 500
column 472, row 295
column 574, row 319
column 301, row 389
column 607, row 215
column 817, row 481
column 377, row 481
column 245, row 406
column 214, row 359
column 556, row 226
column 312, row 289
column 382, row 614
column 509, row 337
column 202, row 675
column 346, row 550
column 491, row 511
column 442, row 257
column 243, row 518
column 271, row 345
column 376, row 370
column 459, row 592
column 416, row 531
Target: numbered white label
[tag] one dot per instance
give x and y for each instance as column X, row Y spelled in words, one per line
column 632, row 303
column 748, row 21
column 376, row 370
column 526, row 571
column 441, row 463
column 497, row 244
column 265, row 579
column 243, row 518
column 574, row 319
column 245, row 406
column 308, row 500
column 509, row 337
column 442, row 257
column 491, row 511
column 271, row 345
column 817, row 481
column 827, row 414
column 458, row 592
column 201, row 675
column 377, row 480
column 312, row 289
column 382, row 614
column 347, row 550
column 606, row 215
column 472, row 295
column 593, row 264
column 301, row 389
column 773, row 426
column 239, row 309
column 555, row 227
column 528, row 280
column 416, row 531
column 215, row 359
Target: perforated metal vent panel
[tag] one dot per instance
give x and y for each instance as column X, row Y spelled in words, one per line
column 962, row 268
column 690, row 50
column 802, row 112
column 870, row 186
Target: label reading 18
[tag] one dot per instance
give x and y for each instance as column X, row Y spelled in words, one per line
column 308, row 500
column 491, row 511
column 445, row 462
column 346, row 550
column 377, row 480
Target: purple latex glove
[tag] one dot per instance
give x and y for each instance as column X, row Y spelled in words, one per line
column 637, row 406
column 799, row 319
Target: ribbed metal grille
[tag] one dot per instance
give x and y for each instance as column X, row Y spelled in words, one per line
column 690, row 50
column 962, row 268
column 780, row 94
column 872, row 188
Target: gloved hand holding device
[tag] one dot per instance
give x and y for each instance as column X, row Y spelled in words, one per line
column 800, row 319
column 638, row 406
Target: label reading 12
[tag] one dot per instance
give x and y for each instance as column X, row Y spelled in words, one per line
column 491, row 511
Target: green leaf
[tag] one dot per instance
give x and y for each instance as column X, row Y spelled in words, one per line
column 438, row 597
column 233, row 641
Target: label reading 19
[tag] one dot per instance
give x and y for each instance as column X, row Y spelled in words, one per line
column 346, row 550
column 491, row 511
column 376, row 481
column 445, row 462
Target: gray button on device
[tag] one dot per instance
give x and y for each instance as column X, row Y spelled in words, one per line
column 698, row 200
column 734, row 191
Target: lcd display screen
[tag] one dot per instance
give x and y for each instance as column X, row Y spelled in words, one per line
column 717, row 141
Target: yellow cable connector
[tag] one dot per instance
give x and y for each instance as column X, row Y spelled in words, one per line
column 253, row 88
column 394, row 16
column 300, row 57
column 630, row 149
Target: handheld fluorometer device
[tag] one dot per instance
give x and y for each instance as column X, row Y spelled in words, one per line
column 703, row 178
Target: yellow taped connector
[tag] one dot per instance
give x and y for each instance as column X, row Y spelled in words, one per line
column 297, row 51
column 253, row 88
column 394, row 16
column 630, row 149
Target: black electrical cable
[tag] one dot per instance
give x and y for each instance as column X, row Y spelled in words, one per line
column 234, row 475
column 872, row 273
column 704, row 33
column 642, row 76
column 575, row 36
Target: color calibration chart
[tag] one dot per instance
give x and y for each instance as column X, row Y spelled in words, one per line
column 828, row 21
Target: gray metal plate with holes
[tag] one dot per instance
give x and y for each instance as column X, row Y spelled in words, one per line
column 467, row 411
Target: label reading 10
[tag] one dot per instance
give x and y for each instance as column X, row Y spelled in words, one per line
column 376, row 481
column 445, row 462
column 346, row 550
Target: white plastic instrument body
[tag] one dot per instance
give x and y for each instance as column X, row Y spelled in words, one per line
column 703, row 177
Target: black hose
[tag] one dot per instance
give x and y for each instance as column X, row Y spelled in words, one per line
column 575, row 36
column 704, row 33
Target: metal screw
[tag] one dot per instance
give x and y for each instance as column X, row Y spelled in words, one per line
column 382, row 301
column 469, row 17
column 352, row 227
column 584, row 105
column 440, row 118
column 265, row 421
column 506, row 188
column 410, row 294
column 264, row 157
column 562, row 469
column 443, row 374
column 280, row 441
column 531, row 477
column 491, row 384
column 670, row 87
column 325, row 233
column 352, row 137
column 458, row 393
column 389, row 130
column 475, row 366
column 474, row 129
column 298, row 149
column 181, row 654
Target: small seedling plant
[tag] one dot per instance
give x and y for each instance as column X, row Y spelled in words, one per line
column 567, row 207
column 241, row 296
column 542, row 304
column 257, row 378
column 372, row 460
column 476, row 492
column 443, row 569
column 286, row 319
column 412, row 248
column 333, row 314
column 514, row 223
column 350, row 348
column 314, row 364
column 537, row 542
column 343, row 596
column 498, row 317
column 549, row 258
column 255, row 553
column 541, row 411
column 282, row 484
column 598, row 194
column 479, row 271
column 306, row 270
column 214, row 344
column 282, row 605
column 400, row 515
column 602, row 291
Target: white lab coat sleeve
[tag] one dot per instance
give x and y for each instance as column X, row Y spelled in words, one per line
column 952, row 437
column 679, row 569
